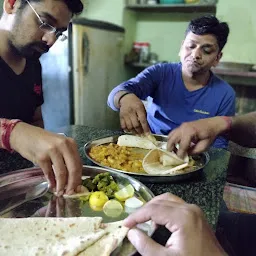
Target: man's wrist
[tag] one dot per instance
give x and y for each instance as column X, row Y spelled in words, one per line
column 119, row 95
column 224, row 124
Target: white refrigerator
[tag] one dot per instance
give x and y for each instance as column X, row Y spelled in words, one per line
column 97, row 67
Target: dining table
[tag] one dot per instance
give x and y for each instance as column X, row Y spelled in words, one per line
column 204, row 190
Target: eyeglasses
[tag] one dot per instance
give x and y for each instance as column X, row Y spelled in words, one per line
column 47, row 28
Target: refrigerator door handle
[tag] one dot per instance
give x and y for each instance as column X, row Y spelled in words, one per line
column 85, row 53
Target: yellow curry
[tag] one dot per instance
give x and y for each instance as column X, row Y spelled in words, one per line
column 118, row 157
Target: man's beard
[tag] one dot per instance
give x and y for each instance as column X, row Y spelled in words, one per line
column 31, row 51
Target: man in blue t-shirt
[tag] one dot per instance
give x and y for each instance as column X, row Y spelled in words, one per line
column 179, row 92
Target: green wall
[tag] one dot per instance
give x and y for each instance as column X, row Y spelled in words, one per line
column 107, row 10
column 112, row 11
column 165, row 31
column 240, row 15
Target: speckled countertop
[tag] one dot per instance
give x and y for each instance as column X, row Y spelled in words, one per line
column 242, row 151
column 205, row 190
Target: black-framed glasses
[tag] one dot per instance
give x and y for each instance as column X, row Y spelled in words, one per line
column 47, row 28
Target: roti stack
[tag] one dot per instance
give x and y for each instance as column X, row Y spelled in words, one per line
column 158, row 161
column 115, row 233
column 59, row 236
column 136, row 142
column 162, row 162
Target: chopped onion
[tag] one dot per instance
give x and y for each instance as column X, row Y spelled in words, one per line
column 133, row 202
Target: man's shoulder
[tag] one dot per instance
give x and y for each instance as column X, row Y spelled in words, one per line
column 222, row 85
column 168, row 65
column 167, row 68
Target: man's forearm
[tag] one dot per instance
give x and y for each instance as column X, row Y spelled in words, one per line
column 243, row 131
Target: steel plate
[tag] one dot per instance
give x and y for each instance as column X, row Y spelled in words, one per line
column 203, row 158
column 24, row 193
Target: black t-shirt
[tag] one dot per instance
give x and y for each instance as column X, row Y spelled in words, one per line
column 20, row 95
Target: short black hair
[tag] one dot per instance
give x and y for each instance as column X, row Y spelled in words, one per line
column 75, row 6
column 209, row 24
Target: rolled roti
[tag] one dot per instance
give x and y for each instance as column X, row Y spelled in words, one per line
column 162, row 162
column 116, row 233
column 83, row 192
column 135, row 142
column 48, row 236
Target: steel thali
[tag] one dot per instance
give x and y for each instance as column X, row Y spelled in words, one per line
column 201, row 159
column 24, row 193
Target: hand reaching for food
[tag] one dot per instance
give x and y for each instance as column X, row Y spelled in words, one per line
column 133, row 116
column 195, row 137
column 47, row 150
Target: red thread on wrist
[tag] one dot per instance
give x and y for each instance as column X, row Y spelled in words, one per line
column 12, row 2
column 228, row 120
column 6, row 130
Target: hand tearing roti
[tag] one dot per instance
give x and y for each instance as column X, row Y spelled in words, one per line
column 116, row 232
column 162, row 162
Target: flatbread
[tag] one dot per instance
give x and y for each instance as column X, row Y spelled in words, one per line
column 159, row 161
column 85, row 192
column 170, row 158
column 48, row 236
column 151, row 138
column 135, row 142
column 102, row 247
column 77, row 195
column 116, row 232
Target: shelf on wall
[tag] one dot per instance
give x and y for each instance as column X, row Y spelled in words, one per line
column 173, row 8
column 138, row 64
column 219, row 71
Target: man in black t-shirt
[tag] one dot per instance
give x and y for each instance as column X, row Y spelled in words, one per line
column 23, row 97
column 28, row 28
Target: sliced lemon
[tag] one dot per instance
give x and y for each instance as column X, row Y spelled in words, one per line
column 125, row 193
column 112, row 208
column 98, row 199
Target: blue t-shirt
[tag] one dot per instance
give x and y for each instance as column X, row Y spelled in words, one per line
column 172, row 104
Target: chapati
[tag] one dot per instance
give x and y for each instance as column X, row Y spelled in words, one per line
column 159, row 161
column 83, row 192
column 135, row 142
column 116, row 232
column 48, row 236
